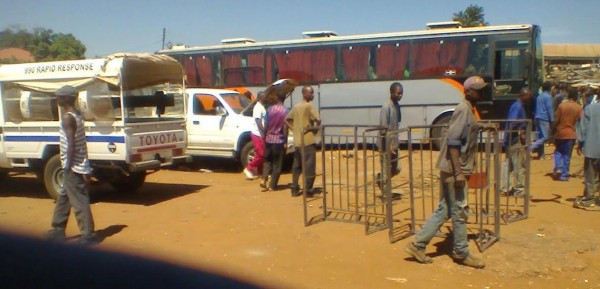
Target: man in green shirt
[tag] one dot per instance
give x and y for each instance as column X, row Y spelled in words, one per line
column 304, row 115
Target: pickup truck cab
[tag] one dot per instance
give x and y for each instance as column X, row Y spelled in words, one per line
column 219, row 124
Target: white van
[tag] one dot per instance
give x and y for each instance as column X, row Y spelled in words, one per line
column 219, row 124
column 134, row 112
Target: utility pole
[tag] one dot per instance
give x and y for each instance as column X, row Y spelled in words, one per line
column 163, row 38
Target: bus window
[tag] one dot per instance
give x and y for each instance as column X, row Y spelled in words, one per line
column 392, row 61
column 440, row 57
column 198, row 71
column 355, row 61
column 477, row 60
column 307, row 65
column 243, row 69
column 509, row 66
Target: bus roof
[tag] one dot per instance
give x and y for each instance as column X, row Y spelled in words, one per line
column 360, row 38
column 139, row 70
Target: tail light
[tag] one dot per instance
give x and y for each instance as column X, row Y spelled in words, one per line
column 178, row 152
column 135, row 158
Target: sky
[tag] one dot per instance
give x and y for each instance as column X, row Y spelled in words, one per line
column 111, row 26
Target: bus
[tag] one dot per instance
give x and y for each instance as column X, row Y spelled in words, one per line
column 352, row 74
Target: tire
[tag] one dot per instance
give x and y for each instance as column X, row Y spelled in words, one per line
column 247, row 154
column 129, row 184
column 3, row 176
column 437, row 133
column 54, row 176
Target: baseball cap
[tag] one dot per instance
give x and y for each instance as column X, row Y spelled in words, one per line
column 66, row 90
column 474, row 82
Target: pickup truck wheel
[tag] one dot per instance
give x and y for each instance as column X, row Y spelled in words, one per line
column 54, row 176
column 247, row 154
column 129, row 184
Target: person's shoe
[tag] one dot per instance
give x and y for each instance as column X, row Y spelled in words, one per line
column 418, row 254
column 296, row 193
column 471, row 261
column 564, row 179
column 56, row 235
column 584, row 202
column 310, row 193
column 249, row 174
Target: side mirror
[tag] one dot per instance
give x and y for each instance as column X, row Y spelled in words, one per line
column 221, row 111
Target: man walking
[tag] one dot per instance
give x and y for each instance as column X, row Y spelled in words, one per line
column 589, row 142
column 456, row 162
column 254, row 168
column 74, row 159
column 390, row 117
column 276, row 133
column 514, row 140
column 544, row 116
column 304, row 115
column 568, row 114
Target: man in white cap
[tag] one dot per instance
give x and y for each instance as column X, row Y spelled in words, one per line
column 74, row 159
column 456, row 162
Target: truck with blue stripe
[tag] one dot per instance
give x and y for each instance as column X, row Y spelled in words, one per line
column 134, row 110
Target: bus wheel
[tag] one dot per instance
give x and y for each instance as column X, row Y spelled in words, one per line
column 247, row 154
column 3, row 176
column 437, row 133
column 129, row 184
column 54, row 176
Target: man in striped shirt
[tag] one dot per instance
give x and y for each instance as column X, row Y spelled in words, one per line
column 74, row 159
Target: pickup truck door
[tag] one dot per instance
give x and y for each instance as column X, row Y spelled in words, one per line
column 206, row 122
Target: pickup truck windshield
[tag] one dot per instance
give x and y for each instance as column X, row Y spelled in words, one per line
column 236, row 101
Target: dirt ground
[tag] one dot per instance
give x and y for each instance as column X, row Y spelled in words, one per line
column 218, row 221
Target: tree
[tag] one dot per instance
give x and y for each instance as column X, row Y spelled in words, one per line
column 473, row 16
column 43, row 43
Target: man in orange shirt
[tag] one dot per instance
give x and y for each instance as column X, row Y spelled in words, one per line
column 567, row 115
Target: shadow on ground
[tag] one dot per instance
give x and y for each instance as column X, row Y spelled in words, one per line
column 28, row 186
column 149, row 194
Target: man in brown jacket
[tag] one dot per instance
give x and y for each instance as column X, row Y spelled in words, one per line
column 567, row 115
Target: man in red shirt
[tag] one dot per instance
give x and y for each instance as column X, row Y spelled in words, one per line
column 567, row 115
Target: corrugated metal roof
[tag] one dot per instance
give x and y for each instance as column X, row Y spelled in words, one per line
column 571, row 51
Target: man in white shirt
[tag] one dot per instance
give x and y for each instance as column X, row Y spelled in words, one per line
column 254, row 167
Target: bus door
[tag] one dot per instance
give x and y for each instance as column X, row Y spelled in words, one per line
column 511, row 62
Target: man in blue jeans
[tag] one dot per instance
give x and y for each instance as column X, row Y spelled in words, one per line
column 544, row 116
column 456, row 162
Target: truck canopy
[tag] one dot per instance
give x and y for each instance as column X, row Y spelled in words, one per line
column 129, row 71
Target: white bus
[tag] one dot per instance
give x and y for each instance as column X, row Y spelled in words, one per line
column 134, row 109
column 352, row 74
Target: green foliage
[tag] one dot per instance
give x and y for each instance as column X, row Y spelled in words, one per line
column 473, row 16
column 44, row 44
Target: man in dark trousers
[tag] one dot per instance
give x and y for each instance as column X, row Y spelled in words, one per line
column 588, row 136
column 390, row 117
column 74, row 159
column 276, row 133
column 304, row 115
column 456, row 162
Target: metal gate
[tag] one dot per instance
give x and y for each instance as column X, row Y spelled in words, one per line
column 351, row 177
column 358, row 185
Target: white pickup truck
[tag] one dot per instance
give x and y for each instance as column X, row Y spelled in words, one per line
column 219, row 124
column 134, row 110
